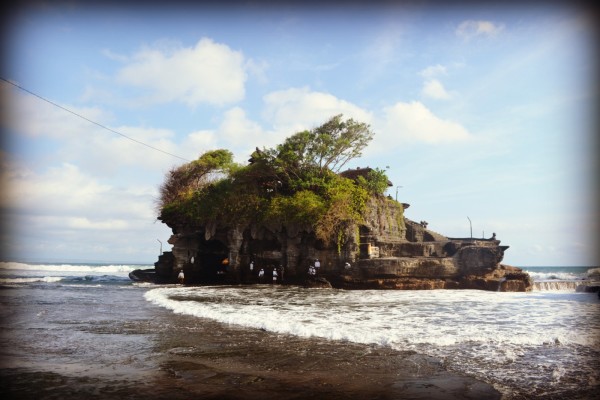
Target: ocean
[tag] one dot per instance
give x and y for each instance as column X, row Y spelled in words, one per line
column 66, row 325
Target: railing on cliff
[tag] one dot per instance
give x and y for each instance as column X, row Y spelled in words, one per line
column 472, row 239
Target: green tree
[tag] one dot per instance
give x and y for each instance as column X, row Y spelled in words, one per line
column 327, row 148
column 295, row 182
column 346, row 203
column 376, row 181
column 187, row 178
column 337, row 141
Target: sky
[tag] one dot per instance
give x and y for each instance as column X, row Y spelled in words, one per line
column 484, row 115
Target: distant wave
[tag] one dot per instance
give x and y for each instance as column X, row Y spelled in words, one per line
column 594, row 273
column 122, row 268
column 543, row 274
column 48, row 279
column 86, row 280
column 97, row 278
column 559, row 276
column 565, row 279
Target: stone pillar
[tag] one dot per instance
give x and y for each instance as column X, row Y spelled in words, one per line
column 185, row 246
column 292, row 255
column 235, row 239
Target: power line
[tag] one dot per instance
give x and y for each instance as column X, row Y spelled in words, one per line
column 91, row 121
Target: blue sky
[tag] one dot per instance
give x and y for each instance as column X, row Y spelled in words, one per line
column 485, row 112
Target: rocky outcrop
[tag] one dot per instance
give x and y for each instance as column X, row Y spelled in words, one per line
column 317, row 283
column 434, row 273
column 388, row 251
column 143, row 275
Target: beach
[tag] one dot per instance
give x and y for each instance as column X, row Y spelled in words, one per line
column 87, row 348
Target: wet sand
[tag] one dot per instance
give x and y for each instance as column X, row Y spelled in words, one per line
column 147, row 352
column 257, row 365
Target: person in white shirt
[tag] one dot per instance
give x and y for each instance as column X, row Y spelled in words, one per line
column 251, row 272
column 274, row 275
column 261, row 274
column 181, row 276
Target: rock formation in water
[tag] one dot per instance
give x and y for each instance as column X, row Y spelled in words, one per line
column 388, row 251
column 290, row 206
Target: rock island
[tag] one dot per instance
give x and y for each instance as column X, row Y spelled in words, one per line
column 294, row 209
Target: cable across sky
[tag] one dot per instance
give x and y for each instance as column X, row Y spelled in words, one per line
column 91, row 121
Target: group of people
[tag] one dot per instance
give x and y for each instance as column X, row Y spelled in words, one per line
column 314, row 268
column 276, row 272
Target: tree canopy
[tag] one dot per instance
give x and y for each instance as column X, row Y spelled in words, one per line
column 294, row 182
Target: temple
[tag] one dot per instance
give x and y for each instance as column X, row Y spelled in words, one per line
column 386, row 251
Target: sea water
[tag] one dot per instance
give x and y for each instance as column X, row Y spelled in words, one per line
column 541, row 344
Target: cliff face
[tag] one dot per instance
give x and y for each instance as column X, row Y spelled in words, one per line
column 387, row 251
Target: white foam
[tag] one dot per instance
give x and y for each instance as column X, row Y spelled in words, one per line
column 558, row 275
column 559, row 286
column 96, row 269
column 593, row 273
column 401, row 319
column 47, row 279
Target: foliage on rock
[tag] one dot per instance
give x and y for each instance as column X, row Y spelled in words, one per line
column 296, row 182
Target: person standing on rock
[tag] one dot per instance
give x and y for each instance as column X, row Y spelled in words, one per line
column 317, row 266
column 261, row 275
column 251, row 271
column 274, row 275
column 248, row 274
column 181, row 277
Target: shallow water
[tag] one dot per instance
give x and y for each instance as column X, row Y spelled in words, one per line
column 87, row 331
column 108, row 342
column 526, row 344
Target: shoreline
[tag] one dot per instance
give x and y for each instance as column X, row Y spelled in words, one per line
column 162, row 355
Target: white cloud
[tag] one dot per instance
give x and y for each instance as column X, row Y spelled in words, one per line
column 114, row 56
column 65, row 212
column 236, row 132
column 86, row 144
column 206, row 73
column 34, row 117
column 62, row 190
column 434, row 89
column 65, row 205
column 415, row 122
column 86, row 223
column 470, row 28
column 105, row 152
column 296, row 109
column 433, row 71
column 237, row 129
column 258, row 69
column 197, row 143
